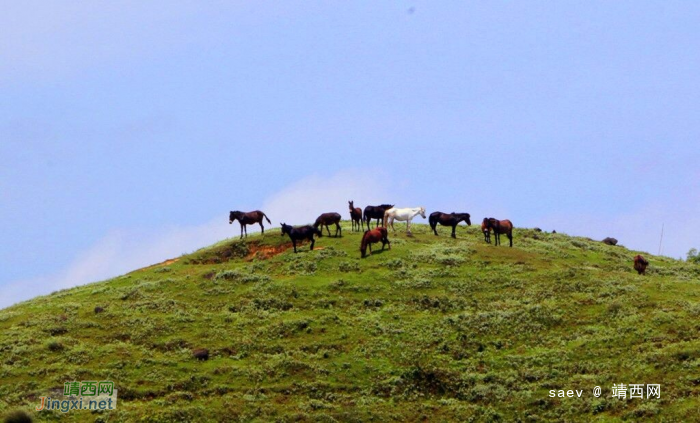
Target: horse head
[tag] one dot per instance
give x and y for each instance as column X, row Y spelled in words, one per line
column 468, row 219
column 285, row 228
column 422, row 212
column 233, row 216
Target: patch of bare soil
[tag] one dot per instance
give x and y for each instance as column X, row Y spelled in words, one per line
column 264, row 252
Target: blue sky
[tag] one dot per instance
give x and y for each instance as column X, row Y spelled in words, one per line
column 129, row 129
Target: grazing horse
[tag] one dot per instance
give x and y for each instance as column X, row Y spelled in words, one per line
column 355, row 216
column 445, row 219
column 500, row 227
column 297, row 234
column 328, row 219
column 640, row 264
column 486, row 231
column 375, row 212
column 371, row 237
column 402, row 215
column 248, row 219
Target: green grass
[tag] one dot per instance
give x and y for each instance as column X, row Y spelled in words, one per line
column 435, row 329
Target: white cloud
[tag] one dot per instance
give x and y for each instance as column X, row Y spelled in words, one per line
column 118, row 252
column 301, row 202
column 121, row 251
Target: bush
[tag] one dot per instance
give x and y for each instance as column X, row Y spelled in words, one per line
column 18, row 416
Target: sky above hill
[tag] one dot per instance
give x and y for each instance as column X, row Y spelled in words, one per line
column 128, row 130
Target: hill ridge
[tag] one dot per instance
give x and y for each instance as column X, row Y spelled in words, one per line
column 437, row 328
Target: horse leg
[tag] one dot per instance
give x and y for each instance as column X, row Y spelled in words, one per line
column 327, row 230
column 262, row 228
column 313, row 241
column 454, row 228
column 338, row 229
column 241, row 231
column 510, row 237
column 294, row 243
column 369, row 244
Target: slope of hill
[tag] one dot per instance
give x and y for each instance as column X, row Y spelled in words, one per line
column 435, row 329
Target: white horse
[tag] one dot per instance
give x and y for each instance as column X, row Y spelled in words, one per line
column 402, row 215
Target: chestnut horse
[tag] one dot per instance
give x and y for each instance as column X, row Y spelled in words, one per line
column 372, row 236
column 328, row 219
column 248, row 219
column 301, row 233
column 500, row 227
column 355, row 216
column 375, row 212
column 640, row 264
column 445, row 219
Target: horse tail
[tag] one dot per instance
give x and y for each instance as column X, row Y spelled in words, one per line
column 266, row 218
column 385, row 218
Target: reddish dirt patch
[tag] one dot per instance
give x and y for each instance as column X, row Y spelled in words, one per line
column 264, row 252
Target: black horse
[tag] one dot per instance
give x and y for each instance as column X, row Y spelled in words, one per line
column 451, row 219
column 375, row 212
column 297, row 234
column 248, row 219
column 328, row 219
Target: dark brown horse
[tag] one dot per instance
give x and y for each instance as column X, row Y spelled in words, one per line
column 328, row 219
column 248, row 219
column 445, row 219
column 486, row 231
column 375, row 212
column 500, row 227
column 640, row 264
column 300, row 233
column 355, row 216
column 372, row 236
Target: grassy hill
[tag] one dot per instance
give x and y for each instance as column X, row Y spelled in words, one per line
column 436, row 329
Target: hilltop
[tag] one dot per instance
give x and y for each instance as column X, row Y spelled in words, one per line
column 436, row 329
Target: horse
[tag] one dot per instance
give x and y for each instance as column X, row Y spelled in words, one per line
column 499, row 227
column 640, row 264
column 372, row 236
column 328, row 219
column 355, row 216
column 486, row 231
column 402, row 215
column 445, row 219
column 375, row 212
column 300, row 233
column 248, row 219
